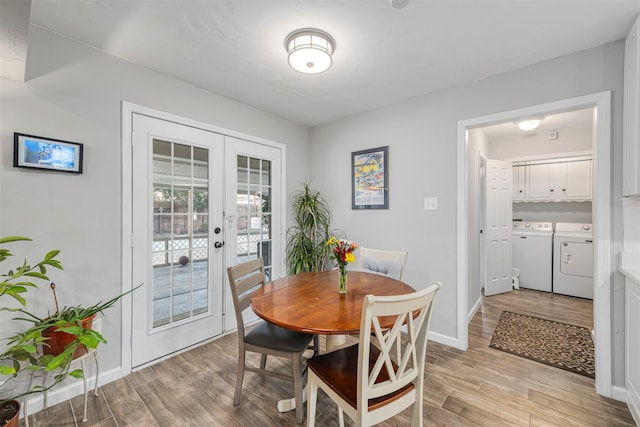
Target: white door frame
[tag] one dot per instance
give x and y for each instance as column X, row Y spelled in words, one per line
column 601, row 180
column 128, row 109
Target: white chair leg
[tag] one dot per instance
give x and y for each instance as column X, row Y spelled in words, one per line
column 417, row 415
column 312, row 395
column 340, row 417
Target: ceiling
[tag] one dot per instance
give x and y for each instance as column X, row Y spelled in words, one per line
column 561, row 121
column 383, row 54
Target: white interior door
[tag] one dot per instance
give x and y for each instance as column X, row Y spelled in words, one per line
column 498, row 227
column 177, row 237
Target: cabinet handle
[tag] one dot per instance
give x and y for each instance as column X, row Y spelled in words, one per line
column 552, row 190
column 564, row 189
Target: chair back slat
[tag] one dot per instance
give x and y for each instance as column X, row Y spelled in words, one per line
column 386, row 376
column 380, row 254
column 244, row 280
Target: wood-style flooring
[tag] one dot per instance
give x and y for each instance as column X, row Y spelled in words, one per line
column 479, row 387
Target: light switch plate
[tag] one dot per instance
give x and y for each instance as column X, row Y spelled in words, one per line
column 430, row 203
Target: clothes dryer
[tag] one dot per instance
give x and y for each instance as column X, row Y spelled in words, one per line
column 532, row 246
column 573, row 260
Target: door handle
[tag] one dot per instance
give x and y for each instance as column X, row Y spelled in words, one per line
column 218, row 245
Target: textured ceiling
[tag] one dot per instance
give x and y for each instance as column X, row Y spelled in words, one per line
column 383, row 55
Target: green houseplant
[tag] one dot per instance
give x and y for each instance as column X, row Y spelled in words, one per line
column 306, row 240
column 21, row 350
column 35, row 348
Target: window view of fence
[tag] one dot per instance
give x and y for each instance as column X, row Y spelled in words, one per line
column 254, row 210
column 180, row 250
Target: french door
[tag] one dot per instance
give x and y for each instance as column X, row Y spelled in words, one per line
column 178, row 237
column 200, row 201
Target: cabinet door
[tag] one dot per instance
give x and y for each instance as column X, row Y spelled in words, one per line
column 518, row 183
column 575, row 180
column 631, row 113
column 540, row 182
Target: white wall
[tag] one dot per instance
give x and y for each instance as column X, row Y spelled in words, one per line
column 554, row 212
column 422, row 139
column 74, row 93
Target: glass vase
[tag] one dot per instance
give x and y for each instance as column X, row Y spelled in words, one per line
column 342, row 284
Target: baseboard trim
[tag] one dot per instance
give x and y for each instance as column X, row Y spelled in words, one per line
column 474, row 310
column 634, row 405
column 69, row 389
column 443, row 339
column 619, row 393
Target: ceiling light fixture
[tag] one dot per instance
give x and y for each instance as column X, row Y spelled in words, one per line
column 529, row 125
column 398, row 4
column 310, row 50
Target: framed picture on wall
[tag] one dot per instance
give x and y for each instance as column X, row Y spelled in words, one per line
column 38, row 152
column 370, row 178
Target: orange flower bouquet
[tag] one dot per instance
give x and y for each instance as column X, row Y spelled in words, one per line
column 342, row 252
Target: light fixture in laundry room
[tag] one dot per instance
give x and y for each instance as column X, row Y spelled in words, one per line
column 529, row 124
column 310, row 50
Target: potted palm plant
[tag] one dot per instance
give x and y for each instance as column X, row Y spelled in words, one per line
column 306, row 240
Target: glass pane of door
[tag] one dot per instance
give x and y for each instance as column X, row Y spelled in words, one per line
column 180, row 250
column 254, row 210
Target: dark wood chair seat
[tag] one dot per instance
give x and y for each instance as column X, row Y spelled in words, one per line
column 339, row 369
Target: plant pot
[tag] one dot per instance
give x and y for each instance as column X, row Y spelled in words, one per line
column 58, row 340
column 10, row 413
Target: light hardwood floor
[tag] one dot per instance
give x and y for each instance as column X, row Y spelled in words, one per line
column 480, row 387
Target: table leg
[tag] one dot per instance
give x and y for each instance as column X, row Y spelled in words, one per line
column 333, row 343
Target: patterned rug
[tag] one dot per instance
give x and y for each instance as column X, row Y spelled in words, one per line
column 564, row 346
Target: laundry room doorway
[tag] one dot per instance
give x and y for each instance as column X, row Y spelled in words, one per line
column 470, row 155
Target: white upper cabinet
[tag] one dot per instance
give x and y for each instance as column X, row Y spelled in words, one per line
column 575, row 180
column 518, row 183
column 556, row 180
column 540, row 184
column 631, row 113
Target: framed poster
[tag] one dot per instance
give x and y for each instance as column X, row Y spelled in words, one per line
column 31, row 151
column 370, row 178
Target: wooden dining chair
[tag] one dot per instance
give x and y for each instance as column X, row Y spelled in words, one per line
column 264, row 338
column 363, row 380
column 387, row 262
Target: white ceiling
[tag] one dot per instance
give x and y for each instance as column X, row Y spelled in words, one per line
column 561, row 121
column 383, row 55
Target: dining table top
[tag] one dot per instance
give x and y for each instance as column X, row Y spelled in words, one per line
column 311, row 303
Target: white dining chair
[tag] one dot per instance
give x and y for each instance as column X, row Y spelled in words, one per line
column 362, row 379
column 387, row 262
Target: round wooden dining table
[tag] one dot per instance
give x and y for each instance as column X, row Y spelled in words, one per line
column 311, row 303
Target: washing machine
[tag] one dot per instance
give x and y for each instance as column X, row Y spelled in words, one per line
column 532, row 246
column 573, row 260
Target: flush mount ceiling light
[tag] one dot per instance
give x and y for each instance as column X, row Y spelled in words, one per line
column 529, row 125
column 310, row 50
